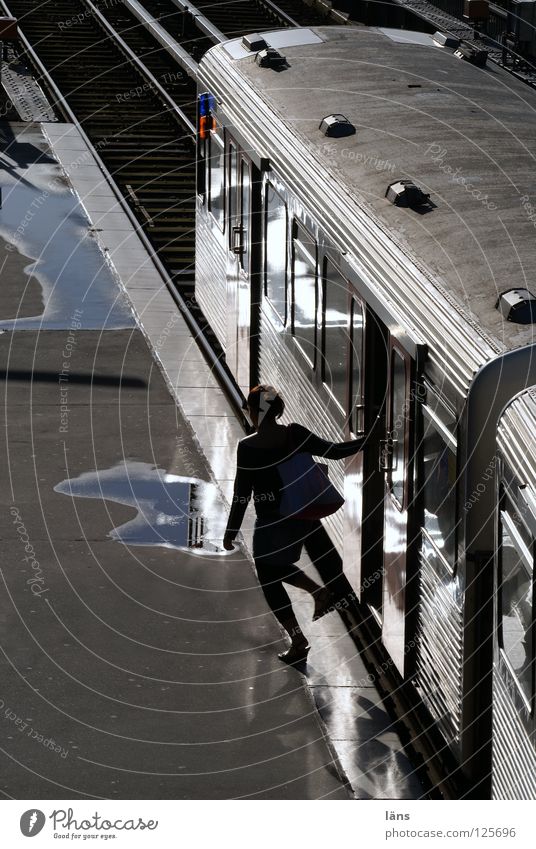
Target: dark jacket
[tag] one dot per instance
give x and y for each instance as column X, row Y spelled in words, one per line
column 256, row 471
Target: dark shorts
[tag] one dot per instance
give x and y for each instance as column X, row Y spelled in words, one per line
column 280, row 541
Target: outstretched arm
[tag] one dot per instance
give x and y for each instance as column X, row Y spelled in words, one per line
column 243, row 488
column 319, row 447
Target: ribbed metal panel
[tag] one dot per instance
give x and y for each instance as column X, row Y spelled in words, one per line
column 439, row 645
column 418, row 302
column 513, row 752
column 516, row 437
column 514, row 758
column 302, row 405
column 211, row 275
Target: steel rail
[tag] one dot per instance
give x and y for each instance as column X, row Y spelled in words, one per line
column 208, row 28
column 235, row 396
column 280, row 13
column 170, row 45
column 135, row 60
column 201, row 21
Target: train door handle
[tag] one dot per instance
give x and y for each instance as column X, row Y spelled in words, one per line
column 237, row 240
column 359, row 418
column 387, row 453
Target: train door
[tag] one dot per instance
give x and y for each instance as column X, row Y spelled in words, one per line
column 368, row 384
column 353, row 479
column 238, row 264
column 395, row 463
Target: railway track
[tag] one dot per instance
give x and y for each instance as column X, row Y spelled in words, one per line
column 234, row 17
column 148, row 148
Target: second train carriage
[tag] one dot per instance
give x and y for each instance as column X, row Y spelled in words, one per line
column 514, row 765
column 354, row 306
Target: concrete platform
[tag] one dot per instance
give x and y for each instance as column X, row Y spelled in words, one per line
column 138, row 660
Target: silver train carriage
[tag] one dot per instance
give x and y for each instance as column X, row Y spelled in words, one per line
column 325, row 270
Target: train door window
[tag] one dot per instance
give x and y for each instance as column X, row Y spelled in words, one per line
column 304, row 291
column 201, row 165
column 275, row 254
column 439, row 485
column 217, row 176
column 245, row 204
column 399, row 424
column 335, row 332
column 515, row 592
column 232, row 190
column 357, row 340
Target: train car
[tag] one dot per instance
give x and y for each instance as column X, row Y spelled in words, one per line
column 513, row 669
column 365, row 242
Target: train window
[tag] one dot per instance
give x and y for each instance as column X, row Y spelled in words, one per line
column 398, row 426
column 357, row 330
column 335, row 332
column 275, row 255
column 304, row 291
column 217, row 177
column 201, row 169
column 245, row 183
column 439, row 486
column 515, row 583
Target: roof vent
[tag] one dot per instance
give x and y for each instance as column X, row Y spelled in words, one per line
column 517, row 305
column 336, row 126
column 446, row 40
column 271, row 58
column 406, row 193
column 472, row 54
column 253, row 42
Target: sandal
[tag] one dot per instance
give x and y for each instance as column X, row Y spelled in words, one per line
column 295, row 654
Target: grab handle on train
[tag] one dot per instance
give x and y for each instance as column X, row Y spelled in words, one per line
column 387, row 453
column 237, row 240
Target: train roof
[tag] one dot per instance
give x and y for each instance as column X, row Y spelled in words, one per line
column 464, row 134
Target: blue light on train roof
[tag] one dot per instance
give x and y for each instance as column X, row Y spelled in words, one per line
column 207, row 122
column 206, row 104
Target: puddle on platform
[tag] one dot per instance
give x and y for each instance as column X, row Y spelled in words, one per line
column 43, row 223
column 173, row 511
